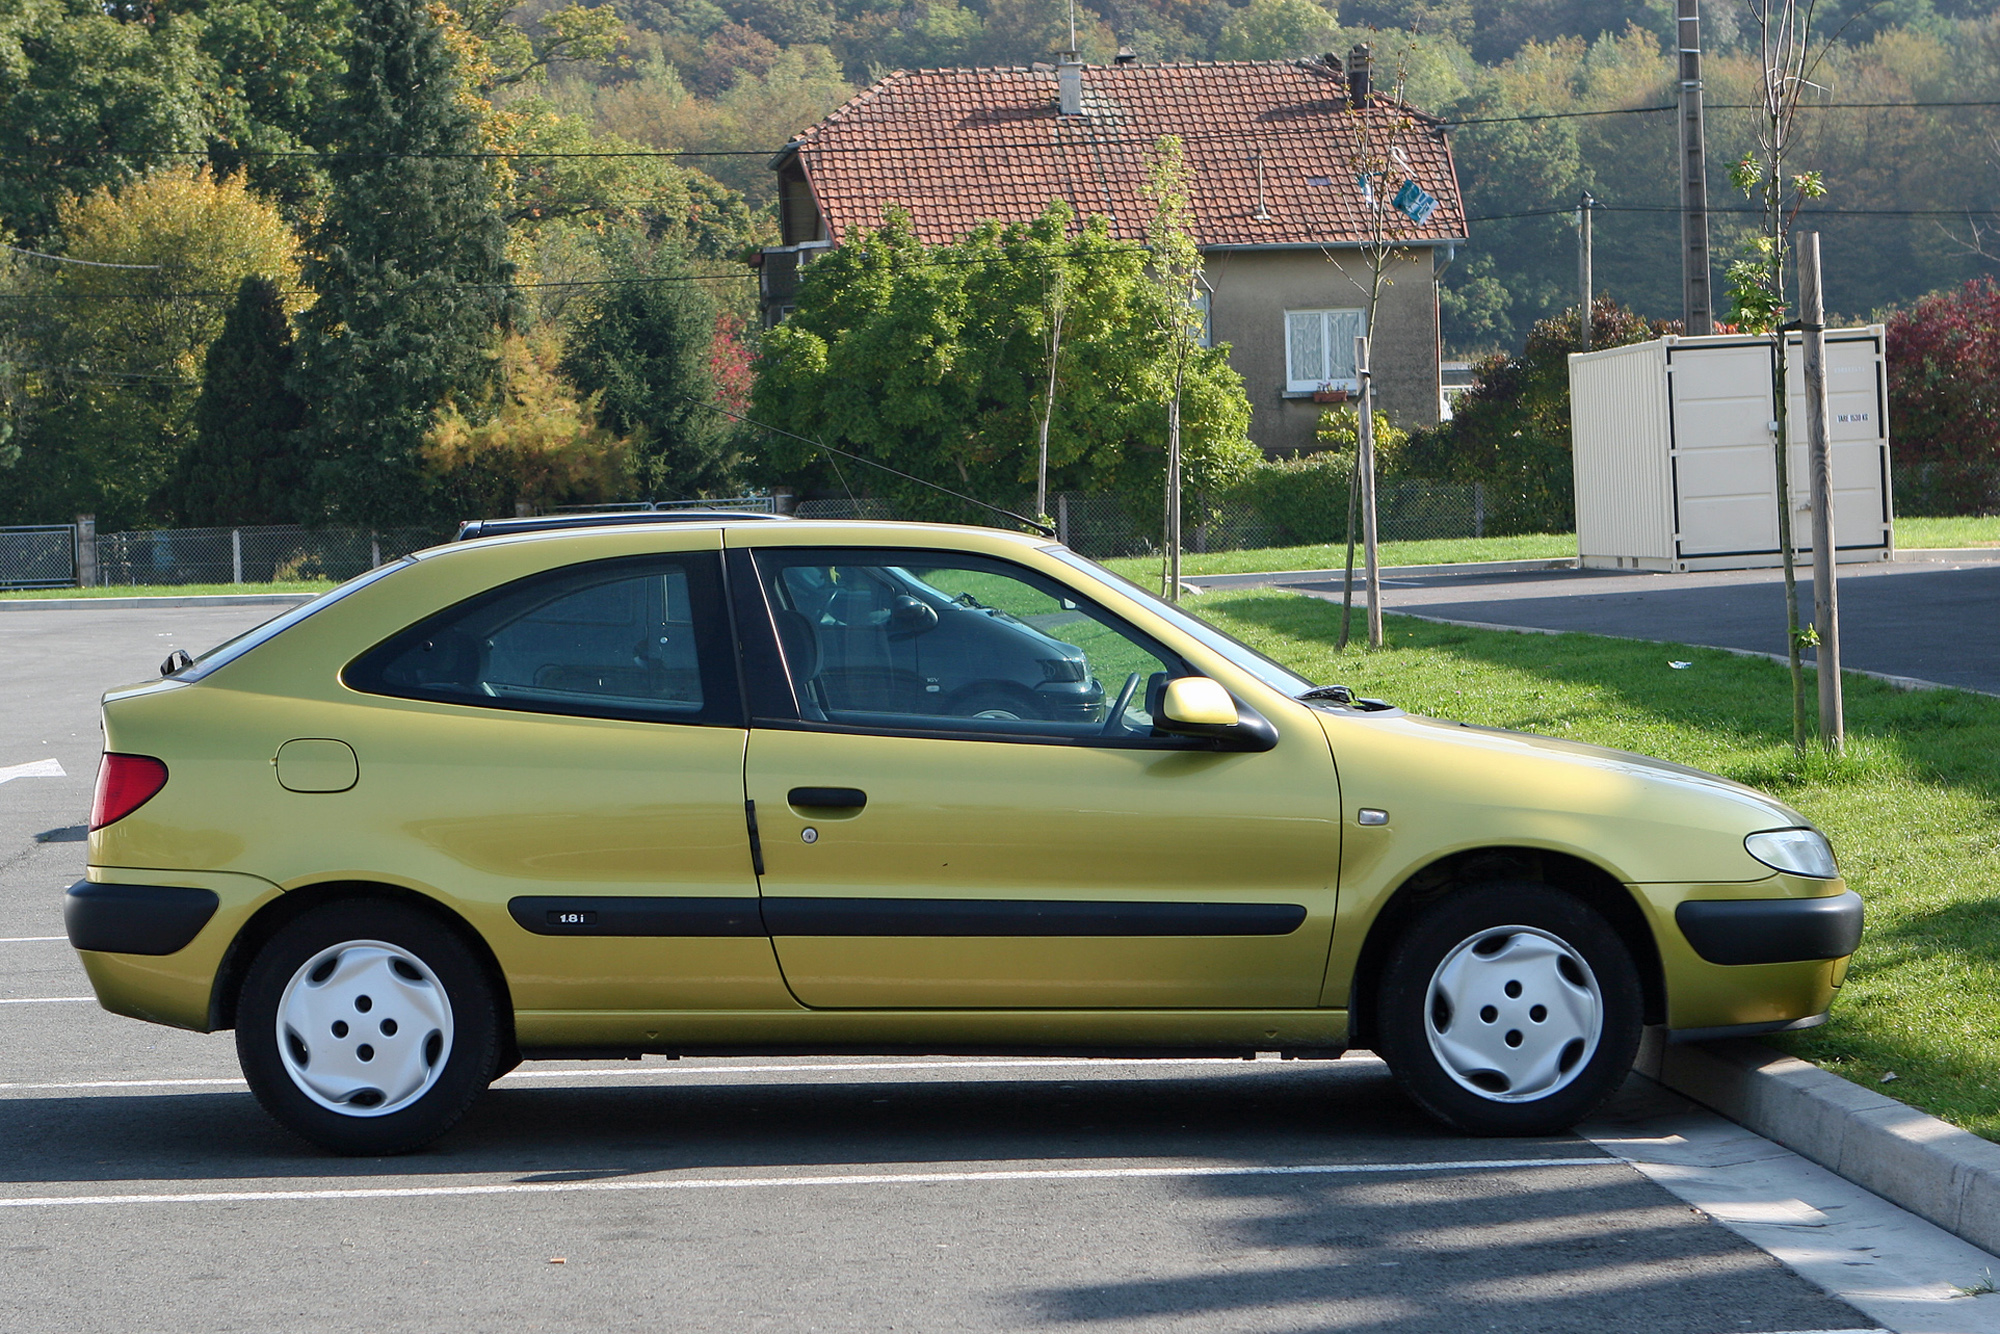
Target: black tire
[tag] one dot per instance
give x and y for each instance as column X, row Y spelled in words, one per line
column 437, row 1025
column 998, row 701
column 1451, row 1034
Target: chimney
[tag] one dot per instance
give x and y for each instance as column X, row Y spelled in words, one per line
column 1069, row 86
column 1359, row 63
column 1126, row 55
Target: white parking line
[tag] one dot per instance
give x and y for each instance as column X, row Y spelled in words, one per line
column 48, row 1000
column 28, row 940
column 1037, row 1062
column 767, row 1183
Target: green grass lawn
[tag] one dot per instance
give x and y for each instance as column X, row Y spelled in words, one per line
column 1966, row 532
column 170, row 590
column 1913, row 810
column 1446, row 551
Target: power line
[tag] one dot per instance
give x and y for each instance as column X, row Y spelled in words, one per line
column 87, row 263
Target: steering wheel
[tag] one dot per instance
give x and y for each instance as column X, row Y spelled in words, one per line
column 1114, row 719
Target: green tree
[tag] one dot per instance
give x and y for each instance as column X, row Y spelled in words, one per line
column 643, row 349
column 118, row 335
column 410, row 266
column 87, row 100
column 934, row 361
column 245, row 465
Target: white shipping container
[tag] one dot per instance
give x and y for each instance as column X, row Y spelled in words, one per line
column 1674, row 458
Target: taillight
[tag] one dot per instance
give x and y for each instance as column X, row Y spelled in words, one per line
column 124, row 784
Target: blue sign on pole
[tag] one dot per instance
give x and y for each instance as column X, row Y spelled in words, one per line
column 1416, row 201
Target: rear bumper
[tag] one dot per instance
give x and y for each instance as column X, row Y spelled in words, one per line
column 136, row 919
column 1737, row 932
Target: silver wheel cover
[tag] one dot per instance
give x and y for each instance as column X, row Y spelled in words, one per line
column 364, row 1028
column 1513, row 1014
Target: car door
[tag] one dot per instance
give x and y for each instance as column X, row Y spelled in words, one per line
column 961, row 803
column 562, row 756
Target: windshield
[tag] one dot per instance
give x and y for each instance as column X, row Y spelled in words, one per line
column 1273, row 674
column 231, row 649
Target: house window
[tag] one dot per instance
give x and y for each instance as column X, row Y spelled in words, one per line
column 1206, row 338
column 1319, row 349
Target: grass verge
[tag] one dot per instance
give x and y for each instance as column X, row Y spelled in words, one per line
column 170, row 590
column 1962, row 532
column 1913, row 810
column 1330, row 556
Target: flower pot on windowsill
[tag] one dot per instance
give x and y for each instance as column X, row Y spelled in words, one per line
column 1329, row 395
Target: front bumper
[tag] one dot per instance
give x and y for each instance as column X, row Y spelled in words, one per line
column 1738, row 932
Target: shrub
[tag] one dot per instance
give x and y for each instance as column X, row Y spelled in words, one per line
column 1944, row 395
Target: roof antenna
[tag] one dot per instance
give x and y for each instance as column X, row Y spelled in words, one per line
column 1072, row 29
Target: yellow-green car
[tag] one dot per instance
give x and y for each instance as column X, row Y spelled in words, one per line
column 742, row 786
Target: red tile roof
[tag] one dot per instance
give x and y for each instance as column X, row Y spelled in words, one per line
column 959, row 146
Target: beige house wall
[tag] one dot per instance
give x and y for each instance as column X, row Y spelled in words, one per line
column 1252, row 290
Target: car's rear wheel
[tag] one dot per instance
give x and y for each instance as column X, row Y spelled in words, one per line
column 1509, row 1009
column 367, row 1027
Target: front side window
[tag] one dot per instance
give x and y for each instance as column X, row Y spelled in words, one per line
column 636, row 638
column 937, row 641
column 1319, row 349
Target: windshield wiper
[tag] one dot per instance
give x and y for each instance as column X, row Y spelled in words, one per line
column 1338, row 694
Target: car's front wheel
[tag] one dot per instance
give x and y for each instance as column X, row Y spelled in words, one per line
column 367, row 1027
column 1509, row 1009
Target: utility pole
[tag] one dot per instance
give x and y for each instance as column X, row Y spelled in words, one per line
column 1697, row 309
column 1364, row 447
column 1583, row 207
column 1826, row 598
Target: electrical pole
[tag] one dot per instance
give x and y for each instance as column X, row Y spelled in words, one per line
column 1826, row 599
column 1697, row 310
column 1364, row 451
column 1583, row 207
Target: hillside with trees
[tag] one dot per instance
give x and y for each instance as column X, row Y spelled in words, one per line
column 473, row 254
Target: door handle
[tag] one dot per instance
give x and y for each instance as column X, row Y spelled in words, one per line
column 828, row 798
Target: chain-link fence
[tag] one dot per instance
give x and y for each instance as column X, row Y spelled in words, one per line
column 177, row 556
column 42, row 556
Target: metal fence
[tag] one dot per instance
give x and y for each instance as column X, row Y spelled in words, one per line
column 43, row 556
column 178, row 556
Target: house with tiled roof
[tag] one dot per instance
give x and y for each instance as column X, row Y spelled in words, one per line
column 1286, row 159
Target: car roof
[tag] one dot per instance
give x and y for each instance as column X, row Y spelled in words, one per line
column 537, row 523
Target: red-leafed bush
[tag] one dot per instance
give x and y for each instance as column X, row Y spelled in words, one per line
column 732, row 363
column 1944, row 401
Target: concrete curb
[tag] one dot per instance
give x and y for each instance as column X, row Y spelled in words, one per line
column 160, row 603
column 1945, row 1175
column 1949, row 554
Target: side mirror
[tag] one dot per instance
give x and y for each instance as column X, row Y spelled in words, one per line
column 910, row 617
column 1197, row 706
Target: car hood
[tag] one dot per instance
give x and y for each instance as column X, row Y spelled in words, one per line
column 1642, row 818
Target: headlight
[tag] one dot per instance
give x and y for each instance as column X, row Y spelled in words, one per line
column 1794, row 851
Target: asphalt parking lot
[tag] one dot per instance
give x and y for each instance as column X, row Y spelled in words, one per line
column 142, row 1188
column 1936, row 622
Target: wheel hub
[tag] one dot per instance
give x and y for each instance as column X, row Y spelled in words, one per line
column 1513, row 1013
column 364, row 1028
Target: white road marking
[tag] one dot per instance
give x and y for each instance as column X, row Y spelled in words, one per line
column 28, row 940
column 33, row 769
column 767, row 1183
column 48, row 1000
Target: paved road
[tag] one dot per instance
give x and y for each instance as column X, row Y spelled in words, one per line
column 1934, row 622
column 141, row 1188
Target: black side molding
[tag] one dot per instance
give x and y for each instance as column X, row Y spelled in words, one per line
column 1744, row 931
column 619, row 915
column 136, row 919
column 1025, row 917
